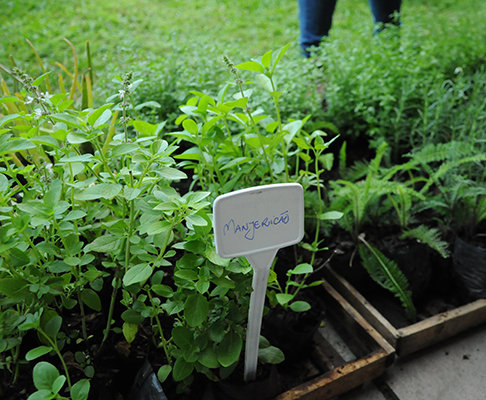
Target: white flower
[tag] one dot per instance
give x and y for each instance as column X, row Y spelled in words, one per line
column 121, row 94
column 29, row 100
column 37, row 113
column 46, row 96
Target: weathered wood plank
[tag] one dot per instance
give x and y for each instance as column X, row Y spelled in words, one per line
column 340, row 380
column 350, row 375
column 440, row 327
column 417, row 336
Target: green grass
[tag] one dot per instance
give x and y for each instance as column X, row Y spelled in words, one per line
column 177, row 45
column 121, row 31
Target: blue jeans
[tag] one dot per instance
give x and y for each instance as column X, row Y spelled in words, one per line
column 315, row 18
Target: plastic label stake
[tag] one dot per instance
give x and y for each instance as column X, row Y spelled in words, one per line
column 255, row 223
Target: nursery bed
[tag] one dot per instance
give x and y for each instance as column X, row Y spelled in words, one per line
column 417, row 336
column 348, row 348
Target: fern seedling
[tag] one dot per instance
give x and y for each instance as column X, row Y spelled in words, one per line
column 387, row 274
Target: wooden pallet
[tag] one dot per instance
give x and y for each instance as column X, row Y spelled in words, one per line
column 417, row 336
column 344, row 376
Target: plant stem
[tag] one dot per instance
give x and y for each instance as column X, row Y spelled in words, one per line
column 56, row 349
column 161, row 332
column 116, row 279
column 83, row 315
column 257, row 131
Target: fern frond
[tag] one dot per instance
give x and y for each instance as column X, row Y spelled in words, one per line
column 450, row 165
column 342, row 160
column 428, row 236
column 442, row 151
column 357, row 171
column 386, row 273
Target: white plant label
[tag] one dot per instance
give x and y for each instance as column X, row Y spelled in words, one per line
column 256, row 219
column 255, row 223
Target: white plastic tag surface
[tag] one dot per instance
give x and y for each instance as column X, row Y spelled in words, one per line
column 257, row 219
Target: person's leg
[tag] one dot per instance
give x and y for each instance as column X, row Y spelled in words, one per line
column 384, row 10
column 315, row 18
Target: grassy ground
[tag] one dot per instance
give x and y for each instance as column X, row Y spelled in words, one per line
column 121, row 30
column 177, row 45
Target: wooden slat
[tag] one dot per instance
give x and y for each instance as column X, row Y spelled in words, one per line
column 352, row 374
column 355, row 322
column 370, row 313
column 416, row 336
column 440, row 327
column 340, row 380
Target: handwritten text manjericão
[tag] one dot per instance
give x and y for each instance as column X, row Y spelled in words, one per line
column 249, row 228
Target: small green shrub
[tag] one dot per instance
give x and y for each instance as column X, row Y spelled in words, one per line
column 409, row 86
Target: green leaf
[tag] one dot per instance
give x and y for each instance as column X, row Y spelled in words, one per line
column 230, row 348
column 251, row 66
column 132, row 317
column 91, row 299
column 18, row 257
column 280, row 54
column 267, row 58
column 8, row 99
column 103, row 190
column 265, row 82
column 68, row 119
column 100, row 116
column 163, row 373
column 190, row 126
column 302, row 269
column 37, row 352
column 162, row 290
column 58, row 384
column 44, row 375
column 300, row 306
column 80, row 390
column 40, row 79
column 151, row 104
column 137, row 274
column 196, row 309
column 190, row 154
column 124, row 148
column 271, row 355
column 159, row 227
column 76, row 138
column 53, row 326
column 182, row 369
column 186, row 274
column 45, row 140
column 43, row 394
column 196, row 220
column 237, row 161
column 171, row 173
column 209, row 358
column 15, row 288
column 103, row 244
column 183, row 337
column 73, row 215
column 89, row 371
column 131, row 193
column 330, row 215
column 15, row 145
column 283, row 298
column 130, row 331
